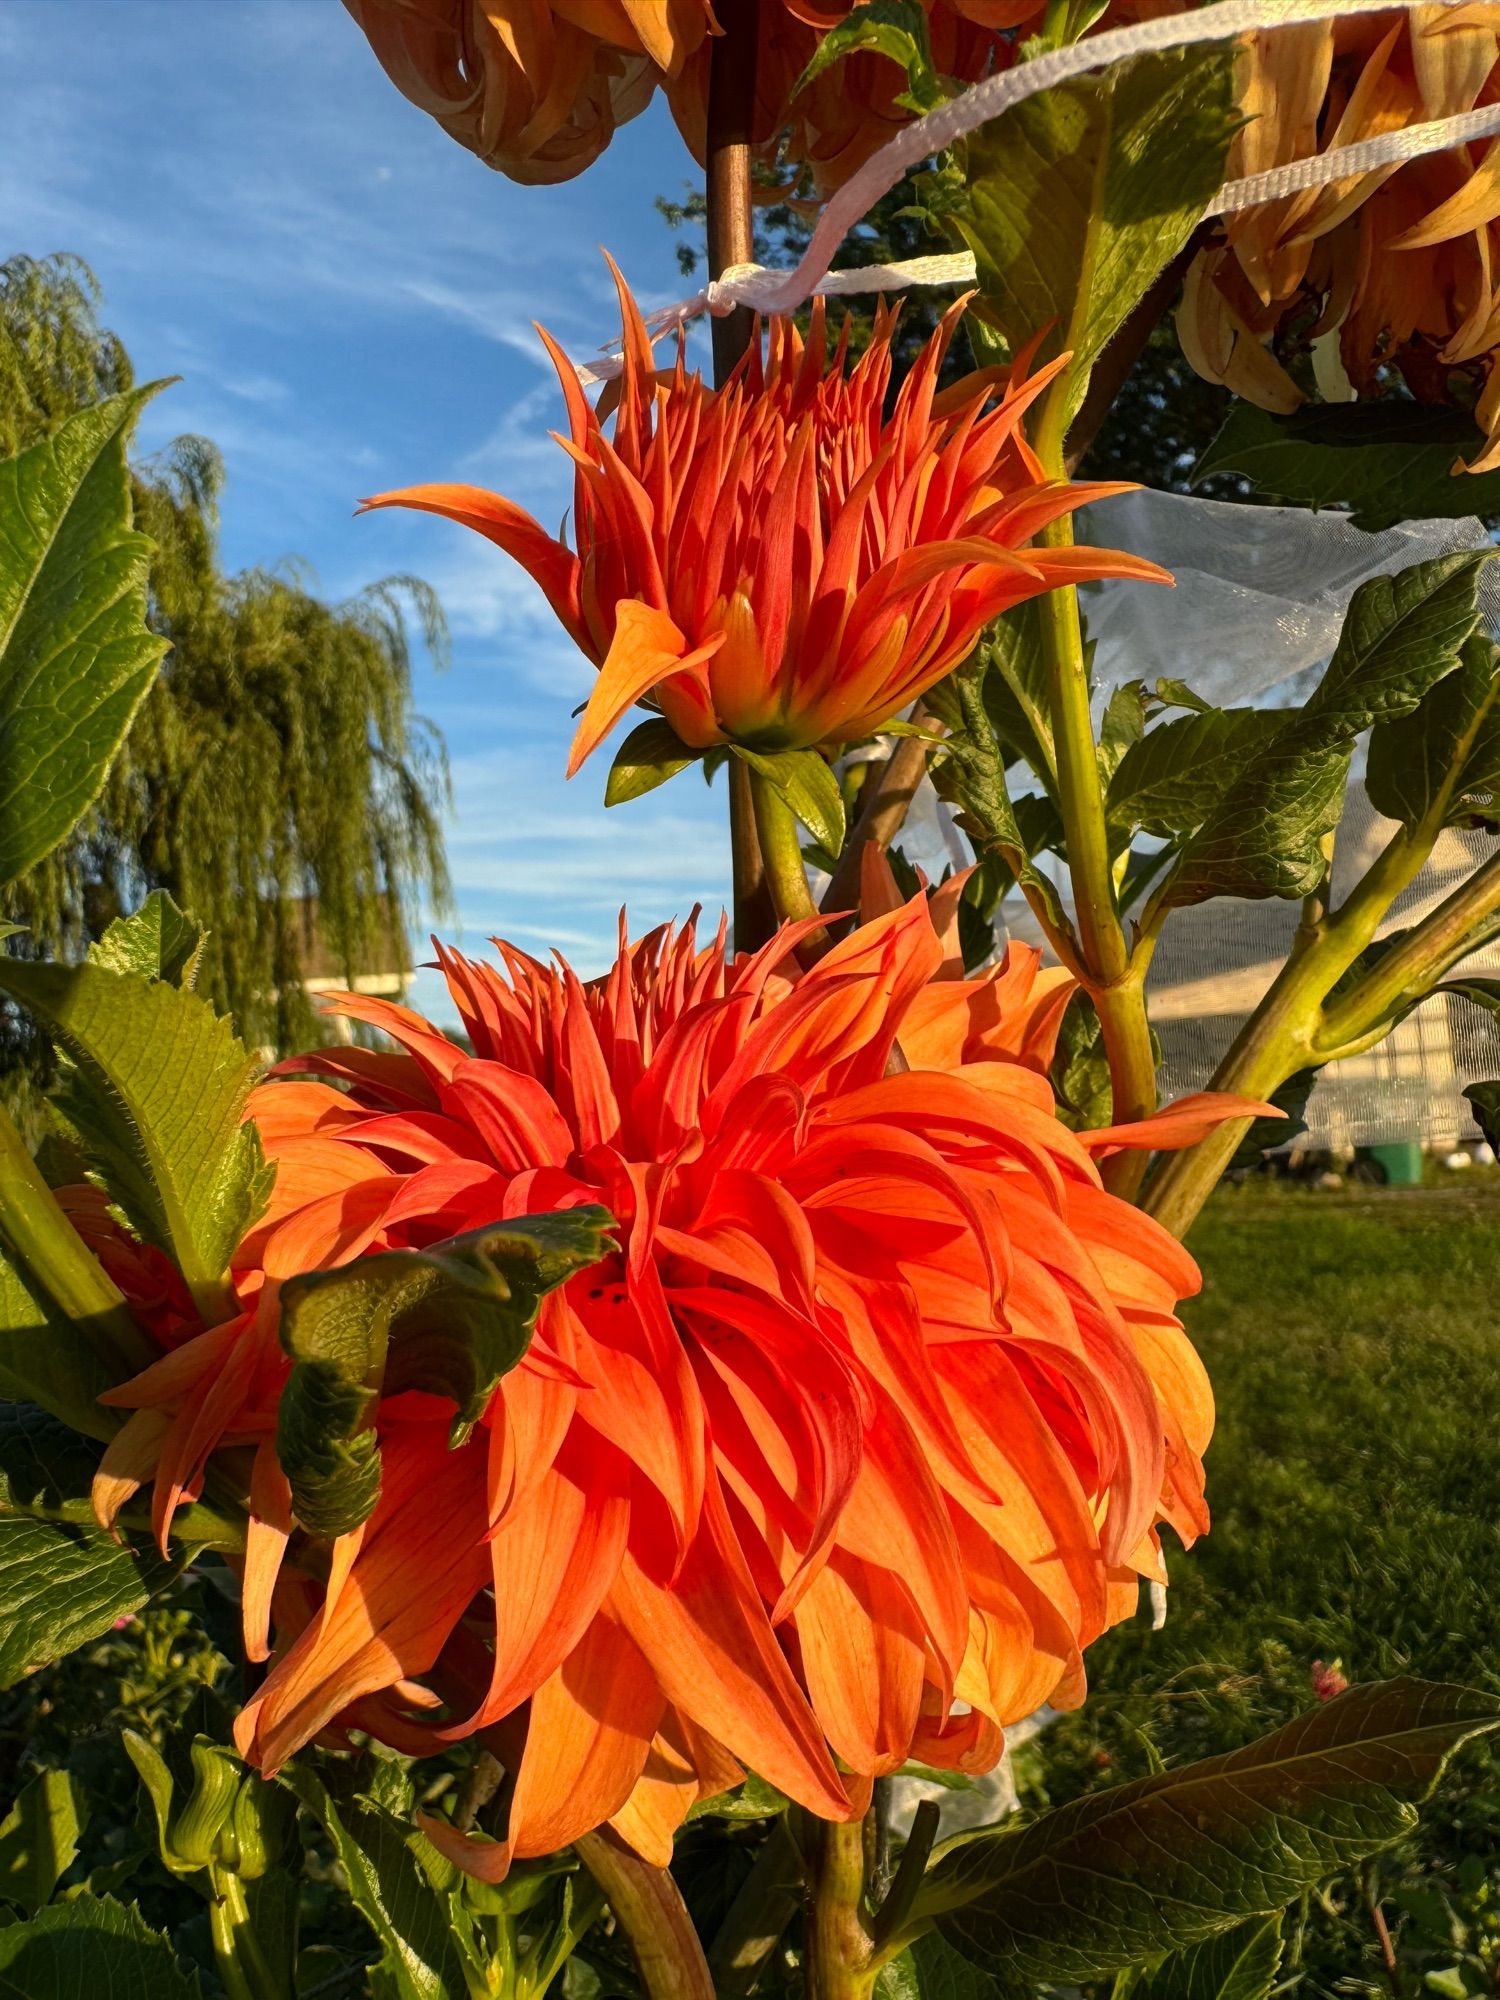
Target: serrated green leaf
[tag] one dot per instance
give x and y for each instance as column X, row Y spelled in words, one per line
column 63, row 1581
column 1077, row 199
column 1484, row 1102
column 157, row 1097
column 1387, row 462
column 1121, row 726
column 896, row 29
column 450, row 1320
column 50, row 1359
column 392, row 1890
column 1237, row 1965
column 1401, row 635
column 971, row 777
column 1446, row 753
column 1126, row 1875
column 650, row 754
column 92, row 1945
column 39, row 1838
column 158, row 942
column 1169, row 781
column 807, row 783
column 76, row 656
column 1016, row 696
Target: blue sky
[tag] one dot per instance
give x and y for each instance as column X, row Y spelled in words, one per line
column 348, row 296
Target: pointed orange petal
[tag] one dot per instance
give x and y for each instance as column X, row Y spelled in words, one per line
column 647, row 648
column 1176, row 1125
column 509, row 527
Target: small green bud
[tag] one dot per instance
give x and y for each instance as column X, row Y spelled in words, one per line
column 193, row 1838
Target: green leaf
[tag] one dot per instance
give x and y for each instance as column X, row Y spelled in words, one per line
column 1122, row 726
column 933, row 1970
column 451, row 1320
column 63, row 1581
column 1076, row 200
column 1401, row 635
column 393, row 1890
column 1125, row 1875
column 92, row 1945
column 158, row 942
column 807, row 782
column 1387, row 461
column 893, row 28
column 76, row 657
column 1237, row 1965
column 1016, row 696
column 970, row 776
column 47, row 1358
column 650, row 754
column 1446, row 753
column 1484, row 1102
column 157, row 1099
column 1169, row 781
column 39, row 1838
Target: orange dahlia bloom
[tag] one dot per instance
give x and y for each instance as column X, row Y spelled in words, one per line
column 843, row 1457
column 776, row 563
column 537, row 88
column 1391, row 275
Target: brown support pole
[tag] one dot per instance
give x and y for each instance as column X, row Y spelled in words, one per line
column 731, row 240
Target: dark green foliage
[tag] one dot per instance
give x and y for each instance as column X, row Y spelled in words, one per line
column 276, row 771
column 1386, row 462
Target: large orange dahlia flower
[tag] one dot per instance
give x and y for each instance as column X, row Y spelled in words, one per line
column 776, row 563
column 847, row 1452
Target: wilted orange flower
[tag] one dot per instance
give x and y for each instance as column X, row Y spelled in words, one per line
column 537, row 88
column 1391, row 276
column 844, row 1457
column 775, row 563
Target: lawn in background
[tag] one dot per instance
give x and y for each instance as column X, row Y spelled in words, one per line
column 1354, row 1345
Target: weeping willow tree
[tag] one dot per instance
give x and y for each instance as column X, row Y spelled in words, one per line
column 277, row 769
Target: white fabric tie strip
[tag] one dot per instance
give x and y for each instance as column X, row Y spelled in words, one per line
column 783, row 291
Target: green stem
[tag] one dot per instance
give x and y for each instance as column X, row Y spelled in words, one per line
column 55, row 1255
column 1115, row 986
column 840, row 1959
column 648, row 1907
column 243, row 1971
column 754, row 914
column 1281, row 1036
column 1409, row 968
column 776, row 824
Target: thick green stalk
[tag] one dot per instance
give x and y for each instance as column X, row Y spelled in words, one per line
column 1283, row 1034
column 56, row 1258
column 840, row 1956
column 242, row 1968
column 648, row 1907
column 1116, row 988
column 1409, row 968
column 781, row 849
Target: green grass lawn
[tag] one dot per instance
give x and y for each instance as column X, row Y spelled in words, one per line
column 1354, row 1345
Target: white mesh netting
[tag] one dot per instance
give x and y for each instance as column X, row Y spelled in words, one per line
column 1260, row 597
